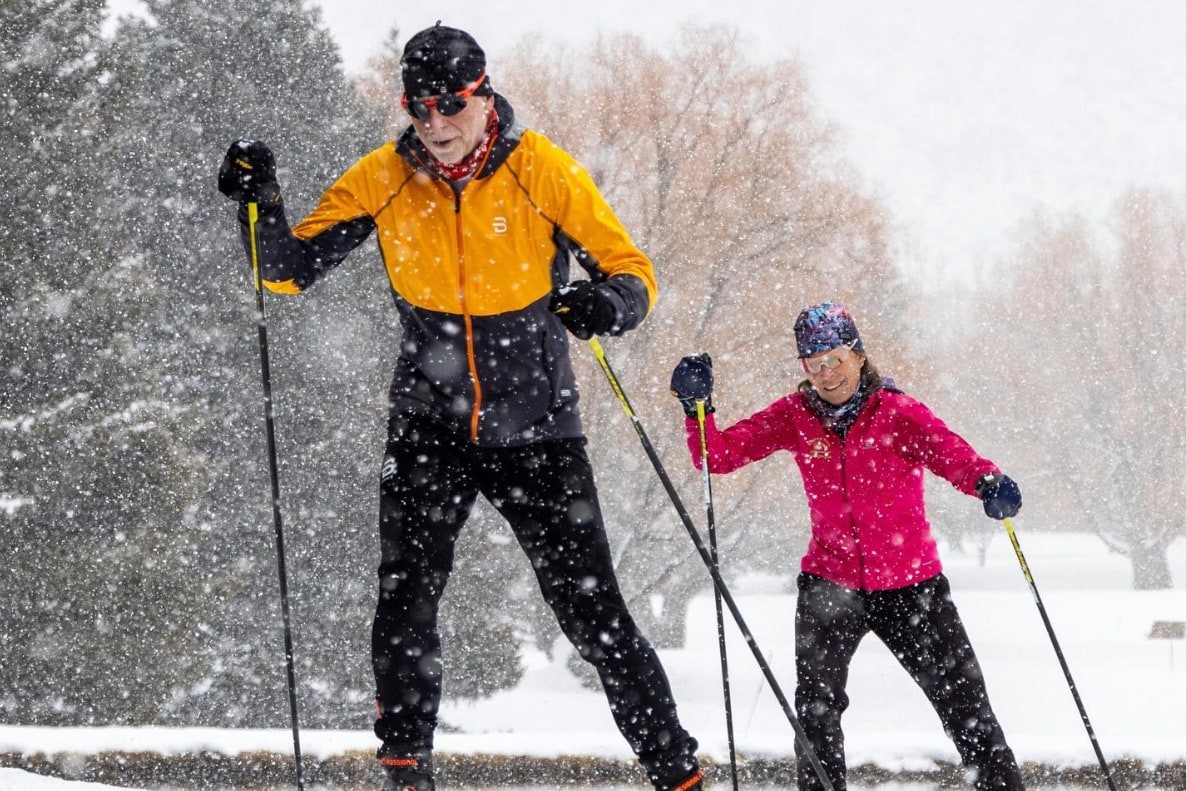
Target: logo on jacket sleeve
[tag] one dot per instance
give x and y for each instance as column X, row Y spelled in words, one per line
column 499, row 226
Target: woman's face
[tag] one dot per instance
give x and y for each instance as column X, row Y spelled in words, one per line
column 834, row 374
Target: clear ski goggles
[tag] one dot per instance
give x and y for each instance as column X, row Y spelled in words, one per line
column 447, row 104
column 814, row 365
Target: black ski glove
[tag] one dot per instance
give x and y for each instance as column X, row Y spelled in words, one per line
column 999, row 494
column 248, row 173
column 584, row 309
column 692, row 381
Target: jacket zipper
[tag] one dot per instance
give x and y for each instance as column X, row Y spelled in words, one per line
column 861, row 569
column 467, row 319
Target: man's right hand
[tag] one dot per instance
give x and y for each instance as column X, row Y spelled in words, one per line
column 248, row 173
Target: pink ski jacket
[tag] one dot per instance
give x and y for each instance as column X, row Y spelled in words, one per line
column 865, row 492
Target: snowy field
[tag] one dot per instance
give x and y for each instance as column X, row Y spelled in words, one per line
column 1134, row 687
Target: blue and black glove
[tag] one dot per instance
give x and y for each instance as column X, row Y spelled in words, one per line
column 692, row 381
column 248, row 173
column 584, row 309
column 999, row 494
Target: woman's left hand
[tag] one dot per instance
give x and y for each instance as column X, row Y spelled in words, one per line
column 1000, row 495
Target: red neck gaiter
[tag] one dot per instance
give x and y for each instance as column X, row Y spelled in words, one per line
column 468, row 165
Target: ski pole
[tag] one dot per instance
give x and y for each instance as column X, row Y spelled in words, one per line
column 1104, row 766
column 266, row 376
column 712, row 525
column 718, row 582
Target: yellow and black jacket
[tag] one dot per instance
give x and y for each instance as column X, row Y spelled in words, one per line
column 472, row 268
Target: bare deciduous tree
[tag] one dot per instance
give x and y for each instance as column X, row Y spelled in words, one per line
column 1093, row 325
column 730, row 182
column 1146, row 352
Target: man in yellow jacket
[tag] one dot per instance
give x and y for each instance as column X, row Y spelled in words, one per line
column 478, row 220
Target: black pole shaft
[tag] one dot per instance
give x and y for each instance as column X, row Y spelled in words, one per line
column 718, row 582
column 274, row 476
column 711, row 522
column 1067, row 673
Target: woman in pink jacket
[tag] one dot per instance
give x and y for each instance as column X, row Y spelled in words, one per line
column 872, row 564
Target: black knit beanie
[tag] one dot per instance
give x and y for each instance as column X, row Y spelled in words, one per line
column 440, row 60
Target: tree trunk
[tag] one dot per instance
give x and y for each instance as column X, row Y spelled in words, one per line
column 1151, row 570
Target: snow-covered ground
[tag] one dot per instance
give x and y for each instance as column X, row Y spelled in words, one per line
column 1134, row 687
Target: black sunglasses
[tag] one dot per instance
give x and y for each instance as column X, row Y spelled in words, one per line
column 448, row 104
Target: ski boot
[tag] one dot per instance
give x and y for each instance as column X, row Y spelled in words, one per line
column 694, row 782
column 408, row 773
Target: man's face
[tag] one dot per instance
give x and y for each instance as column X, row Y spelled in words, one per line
column 451, row 137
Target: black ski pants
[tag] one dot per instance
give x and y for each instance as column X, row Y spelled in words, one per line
column 921, row 627
column 431, row 478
